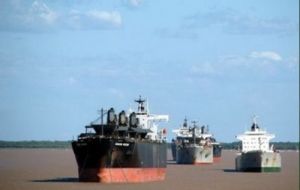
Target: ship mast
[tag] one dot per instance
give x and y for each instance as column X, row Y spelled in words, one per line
column 254, row 126
column 185, row 123
column 193, row 130
column 141, row 106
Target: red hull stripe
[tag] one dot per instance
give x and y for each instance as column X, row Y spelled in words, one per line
column 122, row 175
column 217, row 159
column 202, row 163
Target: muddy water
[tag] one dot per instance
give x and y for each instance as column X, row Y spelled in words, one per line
column 56, row 169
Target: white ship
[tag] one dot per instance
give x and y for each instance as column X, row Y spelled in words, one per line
column 256, row 154
column 192, row 145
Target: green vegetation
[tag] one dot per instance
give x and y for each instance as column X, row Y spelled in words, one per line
column 286, row 145
column 67, row 144
column 233, row 145
column 35, row 144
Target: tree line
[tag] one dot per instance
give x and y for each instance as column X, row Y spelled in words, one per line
column 35, row 144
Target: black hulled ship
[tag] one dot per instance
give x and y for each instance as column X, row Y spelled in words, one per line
column 129, row 147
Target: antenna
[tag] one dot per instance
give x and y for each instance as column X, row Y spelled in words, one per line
column 185, row 124
column 194, row 123
column 255, row 119
column 147, row 106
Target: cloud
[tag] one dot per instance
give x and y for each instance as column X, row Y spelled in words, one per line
column 93, row 19
column 135, row 3
column 230, row 22
column 258, row 65
column 112, row 17
column 203, row 69
column 132, row 3
column 270, row 55
column 293, row 62
column 254, row 59
column 234, row 22
column 38, row 16
column 41, row 11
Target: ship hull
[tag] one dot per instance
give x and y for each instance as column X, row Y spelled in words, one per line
column 194, row 154
column 173, row 150
column 109, row 160
column 258, row 161
column 217, row 153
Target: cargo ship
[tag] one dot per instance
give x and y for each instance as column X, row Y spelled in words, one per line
column 256, row 154
column 193, row 145
column 217, row 149
column 128, row 148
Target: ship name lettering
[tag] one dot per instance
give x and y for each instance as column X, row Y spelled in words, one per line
column 122, row 144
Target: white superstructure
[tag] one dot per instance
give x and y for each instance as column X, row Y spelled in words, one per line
column 256, row 139
column 148, row 121
column 192, row 132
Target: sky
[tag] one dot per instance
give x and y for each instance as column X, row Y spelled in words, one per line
column 217, row 62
